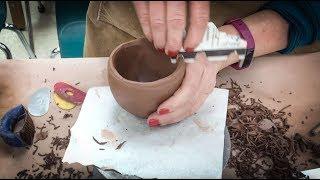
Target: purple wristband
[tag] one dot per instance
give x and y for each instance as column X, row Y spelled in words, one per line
column 246, row 34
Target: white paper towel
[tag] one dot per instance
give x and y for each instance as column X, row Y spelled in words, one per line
column 192, row 148
column 312, row 173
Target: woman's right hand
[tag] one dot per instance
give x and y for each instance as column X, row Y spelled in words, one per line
column 164, row 23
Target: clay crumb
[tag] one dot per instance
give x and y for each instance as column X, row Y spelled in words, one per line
column 35, row 170
column 45, row 80
column 53, row 69
column 65, row 116
column 223, row 84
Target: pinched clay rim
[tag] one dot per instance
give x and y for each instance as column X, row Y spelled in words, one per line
column 158, row 82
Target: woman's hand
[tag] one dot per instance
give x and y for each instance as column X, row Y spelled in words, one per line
column 164, row 23
column 198, row 83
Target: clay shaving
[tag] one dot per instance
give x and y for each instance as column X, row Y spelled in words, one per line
column 120, row 145
column 50, row 160
column 100, row 143
column 51, row 166
column 23, row 174
column 260, row 148
column 49, row 121
column 306, row 145
column 36, row 149
column 61, row 143
column 89, row 172
column 41, row 135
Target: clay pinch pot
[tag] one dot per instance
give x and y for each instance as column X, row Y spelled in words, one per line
column 141, row 78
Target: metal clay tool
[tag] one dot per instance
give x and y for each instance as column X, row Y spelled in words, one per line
column 17, row 128
column 217, row 45
column 61, row 103
column 69, row 93
column 39, row 102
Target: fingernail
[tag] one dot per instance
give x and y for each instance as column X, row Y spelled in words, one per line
column 172, row 53
column 153, row 122
column 164, row 111
column 189, row 50
column 161, row 50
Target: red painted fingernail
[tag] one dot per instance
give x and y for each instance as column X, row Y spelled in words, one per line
column 189, row 50
column 161, row 50
column 164, row 111
column 172, row 53
column 153, row 122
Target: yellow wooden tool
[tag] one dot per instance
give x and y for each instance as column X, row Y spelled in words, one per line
column 61, row 103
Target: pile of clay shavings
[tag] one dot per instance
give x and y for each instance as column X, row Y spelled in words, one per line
column 260, row 148
column 51, row 166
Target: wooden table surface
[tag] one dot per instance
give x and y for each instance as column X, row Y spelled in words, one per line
column 269, row 77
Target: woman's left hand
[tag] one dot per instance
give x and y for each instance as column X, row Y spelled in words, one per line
column 198, row 83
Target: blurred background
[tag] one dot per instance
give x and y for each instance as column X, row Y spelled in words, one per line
column 42, row 29
column 53, row 29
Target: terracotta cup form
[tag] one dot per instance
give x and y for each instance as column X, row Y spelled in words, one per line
column 141, row 78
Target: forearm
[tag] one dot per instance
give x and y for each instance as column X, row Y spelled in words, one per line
column 269, row 30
